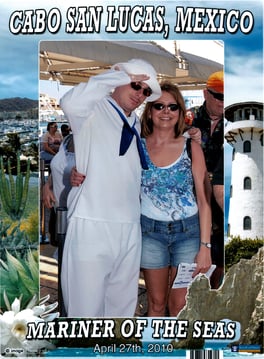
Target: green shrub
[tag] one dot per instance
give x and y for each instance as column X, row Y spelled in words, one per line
column 239, row 248
column 31, row 227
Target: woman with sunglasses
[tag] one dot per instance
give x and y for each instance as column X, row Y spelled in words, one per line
column 50, row 142
column 176, row 223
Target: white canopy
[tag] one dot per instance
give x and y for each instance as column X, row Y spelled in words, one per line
column 72, row 62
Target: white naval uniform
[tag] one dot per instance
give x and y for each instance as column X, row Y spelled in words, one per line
column 101, row 257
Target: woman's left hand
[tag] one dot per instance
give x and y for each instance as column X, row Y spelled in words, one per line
column 203, row 260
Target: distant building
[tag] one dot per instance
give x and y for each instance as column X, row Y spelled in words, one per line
column 49, row 109
column 48, row 103
column 245, row 134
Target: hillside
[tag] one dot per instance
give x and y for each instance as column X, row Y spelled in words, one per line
column 17, row 104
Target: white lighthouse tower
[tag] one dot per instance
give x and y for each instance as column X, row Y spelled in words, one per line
column 245, row 134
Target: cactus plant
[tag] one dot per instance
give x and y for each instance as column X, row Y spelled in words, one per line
column 14, row 192
column 19, row 277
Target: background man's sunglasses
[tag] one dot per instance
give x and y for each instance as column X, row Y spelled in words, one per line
column 137, row 86
column 160, row 106
column 217, row 95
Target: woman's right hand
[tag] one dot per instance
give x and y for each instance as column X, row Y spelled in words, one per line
column 76, row 178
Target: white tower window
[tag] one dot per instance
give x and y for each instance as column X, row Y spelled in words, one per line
column 247, row 146
column 233, row 154
column 247, row 183
column 247, row 223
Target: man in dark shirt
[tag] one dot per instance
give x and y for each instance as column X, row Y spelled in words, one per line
column 218, row 181
column 210, row 120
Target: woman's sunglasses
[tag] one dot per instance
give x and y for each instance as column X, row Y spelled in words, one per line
column 137, row 86
column 217, row 95
column 160, row 106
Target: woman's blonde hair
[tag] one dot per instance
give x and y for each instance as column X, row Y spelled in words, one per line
column 146, row 120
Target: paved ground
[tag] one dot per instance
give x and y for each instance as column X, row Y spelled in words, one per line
column 48, row 273
column 49, row 279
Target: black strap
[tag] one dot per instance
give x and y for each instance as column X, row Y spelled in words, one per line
column 189, row 148
column 189, row 153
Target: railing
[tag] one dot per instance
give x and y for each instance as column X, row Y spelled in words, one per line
column 44, row 168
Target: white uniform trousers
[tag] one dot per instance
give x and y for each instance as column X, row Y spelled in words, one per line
column 100, row 269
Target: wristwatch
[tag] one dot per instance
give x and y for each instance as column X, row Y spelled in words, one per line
column 208, row 245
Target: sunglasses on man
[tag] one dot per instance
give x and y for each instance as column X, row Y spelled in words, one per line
column 137, row 86
column 216, row 95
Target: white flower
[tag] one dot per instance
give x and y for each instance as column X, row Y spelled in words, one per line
column 13, row 326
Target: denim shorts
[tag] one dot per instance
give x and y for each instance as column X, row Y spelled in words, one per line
column 169, row 243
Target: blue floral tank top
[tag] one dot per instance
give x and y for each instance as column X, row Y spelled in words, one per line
column 167, row 192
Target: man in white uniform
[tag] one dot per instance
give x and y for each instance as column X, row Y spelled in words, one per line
column 101, row 257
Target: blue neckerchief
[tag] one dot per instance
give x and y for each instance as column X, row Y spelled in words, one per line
column 127, row 137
